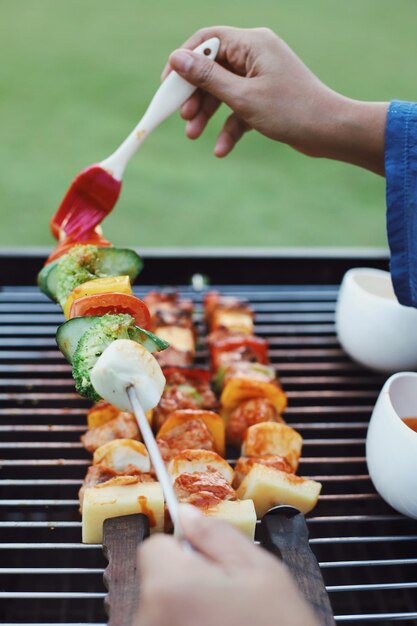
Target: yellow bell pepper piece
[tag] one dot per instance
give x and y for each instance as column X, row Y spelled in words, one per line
column 119, row 284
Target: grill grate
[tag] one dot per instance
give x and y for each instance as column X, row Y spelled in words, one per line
column 367, row 552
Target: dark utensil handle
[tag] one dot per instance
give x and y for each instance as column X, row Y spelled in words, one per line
column 284, row 532
column 121, row 537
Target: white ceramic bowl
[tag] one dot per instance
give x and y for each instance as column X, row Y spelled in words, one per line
column 372, row 327
column 391, row 446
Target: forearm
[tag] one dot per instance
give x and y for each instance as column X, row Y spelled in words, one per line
column 347, row 130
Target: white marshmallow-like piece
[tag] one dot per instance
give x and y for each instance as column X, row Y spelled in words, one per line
column 125, row 363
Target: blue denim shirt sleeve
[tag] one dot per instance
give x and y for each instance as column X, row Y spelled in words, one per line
column 401, row 192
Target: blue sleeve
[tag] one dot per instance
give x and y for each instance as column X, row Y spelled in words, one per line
column 401, row 191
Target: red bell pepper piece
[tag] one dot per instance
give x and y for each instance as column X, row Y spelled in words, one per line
column 105, row 303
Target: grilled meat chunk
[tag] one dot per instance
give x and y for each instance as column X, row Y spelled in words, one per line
column 190, row 435
column 182, row 392
column 236, row 348
column 228, row 312
column 249, row 413
column 171, row 357
column 123, row 426
column 268, row 438
column 167, row 309
column 244, row 370
column 203, row 489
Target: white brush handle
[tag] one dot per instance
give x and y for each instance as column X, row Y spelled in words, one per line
column 171, row 95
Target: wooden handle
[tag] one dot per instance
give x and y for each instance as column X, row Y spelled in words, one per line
column 121, row 537
column 284, row 532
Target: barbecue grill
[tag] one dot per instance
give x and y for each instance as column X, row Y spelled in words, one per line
column 367, row 551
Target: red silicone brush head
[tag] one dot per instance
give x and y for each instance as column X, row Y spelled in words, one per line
column 91, row 197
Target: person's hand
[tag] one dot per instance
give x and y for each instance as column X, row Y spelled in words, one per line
column 270, row 89
column 229, row 581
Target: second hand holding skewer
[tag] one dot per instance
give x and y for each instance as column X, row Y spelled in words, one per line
column 130, row 378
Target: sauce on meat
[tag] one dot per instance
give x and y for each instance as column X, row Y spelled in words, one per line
column 203, row 489
column 191, row 435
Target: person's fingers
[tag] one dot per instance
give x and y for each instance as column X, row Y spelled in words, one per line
column 206, row 74
column 196, row 125
column 191, row 107
column 157, row 550
column 230, row 134
column 217, row 540
column 165, row 569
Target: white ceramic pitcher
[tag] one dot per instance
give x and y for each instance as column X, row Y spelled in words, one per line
column 391, row 445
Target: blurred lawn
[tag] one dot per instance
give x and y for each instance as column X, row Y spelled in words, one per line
column 77, row 75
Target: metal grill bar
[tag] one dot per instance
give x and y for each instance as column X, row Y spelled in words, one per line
column 50, row 570
column 373, row 563
column 40, row 525
column 45, row 595
column 380, row 587
column 363, row 539
column 55, row 624
column 49, row 546
column 377, row 617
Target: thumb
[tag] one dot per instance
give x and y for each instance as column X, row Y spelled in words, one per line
column 205, row 73
column 217, row 540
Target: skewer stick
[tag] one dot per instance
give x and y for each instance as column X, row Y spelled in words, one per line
column 158, row 464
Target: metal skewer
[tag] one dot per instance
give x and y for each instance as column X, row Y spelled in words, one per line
column 158, row 464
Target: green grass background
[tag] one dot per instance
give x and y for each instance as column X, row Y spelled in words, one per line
column 76, row 75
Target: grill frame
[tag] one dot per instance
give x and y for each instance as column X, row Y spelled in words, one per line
column 331, row 388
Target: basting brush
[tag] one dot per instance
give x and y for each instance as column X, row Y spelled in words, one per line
column 95, row 191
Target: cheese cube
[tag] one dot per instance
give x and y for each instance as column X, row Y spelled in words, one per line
column 123, row 495
column 180, row 338
column 269, row 487
column 240, row 513
column 233, row 320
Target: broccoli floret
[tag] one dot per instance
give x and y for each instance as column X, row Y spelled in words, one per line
column 92, row 344
column 74, row 268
